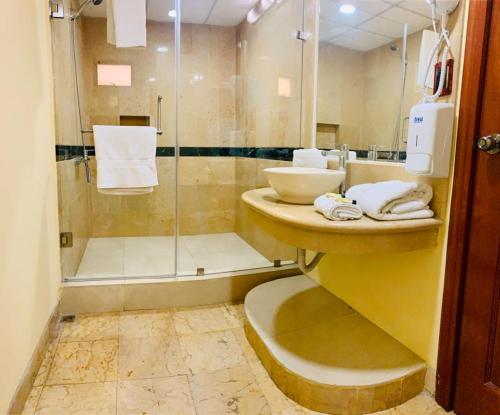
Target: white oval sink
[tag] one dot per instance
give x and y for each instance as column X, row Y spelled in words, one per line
column 301, row 185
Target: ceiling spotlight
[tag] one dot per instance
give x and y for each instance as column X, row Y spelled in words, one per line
column 152, row 79
column 172, row 13
column 162, row 49
column 347, row 9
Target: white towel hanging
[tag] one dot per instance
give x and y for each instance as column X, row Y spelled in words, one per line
column 126, row 159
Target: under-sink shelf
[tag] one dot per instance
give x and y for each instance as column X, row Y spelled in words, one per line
column 323, row 354
column 303, row 227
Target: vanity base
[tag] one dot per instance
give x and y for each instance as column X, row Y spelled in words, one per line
column 323, row 354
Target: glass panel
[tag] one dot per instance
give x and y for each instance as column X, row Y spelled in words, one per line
column 115, row 235
column 239, row 112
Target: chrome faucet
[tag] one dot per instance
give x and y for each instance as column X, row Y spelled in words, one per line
column 372, row 152
column 85, row 159
column 343, row 159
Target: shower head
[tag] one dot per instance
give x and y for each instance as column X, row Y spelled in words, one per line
column 83, row 5
column 393, row 47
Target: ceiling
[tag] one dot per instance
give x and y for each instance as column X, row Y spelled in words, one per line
column 373, row 24
column 215, row 12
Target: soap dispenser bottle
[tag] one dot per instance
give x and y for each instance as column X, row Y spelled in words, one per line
column 430, row 134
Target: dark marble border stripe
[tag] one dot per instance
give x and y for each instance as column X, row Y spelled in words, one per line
column 67, row 152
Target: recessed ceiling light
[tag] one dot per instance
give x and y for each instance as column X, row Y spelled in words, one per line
column 172, row 13
column 347, row 9
column 152, row 79
column 162, row 49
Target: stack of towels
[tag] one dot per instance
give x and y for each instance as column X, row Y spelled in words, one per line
column 311, row 157
column 390, row 200
column 126, row 159
column 393, row 200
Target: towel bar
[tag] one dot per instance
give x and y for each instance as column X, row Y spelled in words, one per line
column 158, row 119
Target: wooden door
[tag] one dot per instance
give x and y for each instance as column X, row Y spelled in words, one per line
column 477, row 388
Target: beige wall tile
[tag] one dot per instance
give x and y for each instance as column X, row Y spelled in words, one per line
column 73, row 213
column 268, row 53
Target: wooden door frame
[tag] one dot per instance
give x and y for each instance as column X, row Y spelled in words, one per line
column 476, row 49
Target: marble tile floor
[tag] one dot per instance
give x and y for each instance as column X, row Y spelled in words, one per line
column 154, row 255
column 186, row 361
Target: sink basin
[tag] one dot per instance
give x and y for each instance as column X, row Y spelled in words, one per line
column 301, row 185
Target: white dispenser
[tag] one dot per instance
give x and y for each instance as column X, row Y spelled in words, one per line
column 429, row 139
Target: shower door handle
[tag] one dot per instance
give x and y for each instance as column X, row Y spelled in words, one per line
column 158, row 115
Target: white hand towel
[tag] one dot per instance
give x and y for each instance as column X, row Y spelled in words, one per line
column 311, row 157
column 126, row 23
column 126, row 159
column 393, row 200
column 334, row 209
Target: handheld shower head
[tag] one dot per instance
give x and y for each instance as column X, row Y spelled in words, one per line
column 83, row 5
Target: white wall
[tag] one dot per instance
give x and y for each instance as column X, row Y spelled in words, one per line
column 29, row 259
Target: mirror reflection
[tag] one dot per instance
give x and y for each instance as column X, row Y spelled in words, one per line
column 371, row 55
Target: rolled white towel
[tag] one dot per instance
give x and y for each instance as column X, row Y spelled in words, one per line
column 310, row 157
column 393, row 199
column 335, row 207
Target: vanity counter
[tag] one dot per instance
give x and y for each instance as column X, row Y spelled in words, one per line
column 303, row 227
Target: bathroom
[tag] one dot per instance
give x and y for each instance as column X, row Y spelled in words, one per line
column 244, row 266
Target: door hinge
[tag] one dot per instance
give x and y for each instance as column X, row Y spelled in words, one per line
column 56, row 9
column 304, row 36
column 66, row 239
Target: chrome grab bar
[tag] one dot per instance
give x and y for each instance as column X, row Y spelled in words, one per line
column 158, row 118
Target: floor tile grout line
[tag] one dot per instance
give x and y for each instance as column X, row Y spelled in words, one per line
column 42, row 387
column 56, row 347
column 117, row 384
column 191, row 394
column 59, row 329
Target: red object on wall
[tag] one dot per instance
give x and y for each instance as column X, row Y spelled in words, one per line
column 448, row 80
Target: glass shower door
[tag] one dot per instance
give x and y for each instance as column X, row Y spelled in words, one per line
column 114, row 236
column 239, row 111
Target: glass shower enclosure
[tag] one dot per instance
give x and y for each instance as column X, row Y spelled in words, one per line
column 221, row 81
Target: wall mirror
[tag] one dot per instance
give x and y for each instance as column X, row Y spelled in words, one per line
column 370, row 55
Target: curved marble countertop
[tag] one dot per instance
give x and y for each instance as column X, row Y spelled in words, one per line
column 303, row 227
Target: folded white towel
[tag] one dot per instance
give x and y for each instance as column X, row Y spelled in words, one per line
column 134, row 191
column 126, row 159
column 310, row 157
column 334, row 207
column 126, row 23
column 393, row 200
